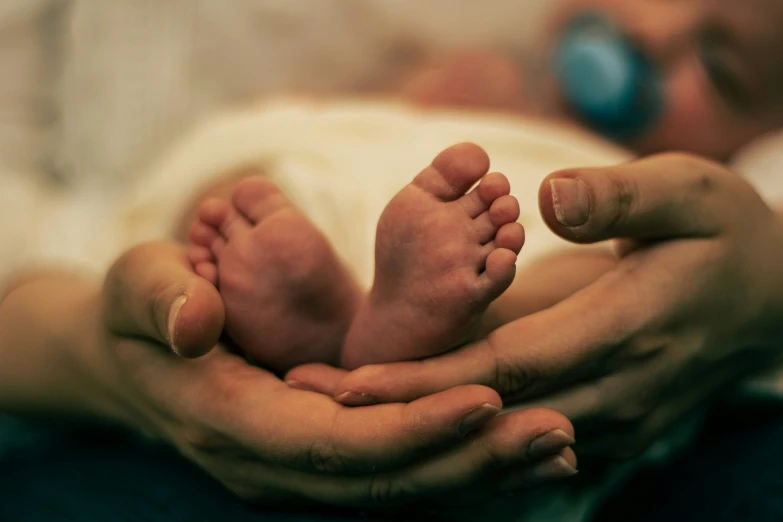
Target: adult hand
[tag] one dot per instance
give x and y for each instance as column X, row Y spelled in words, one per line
column 694, row 304
column 273, row 444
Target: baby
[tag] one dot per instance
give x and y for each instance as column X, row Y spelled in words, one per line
column 715, row 68
column 445, row 253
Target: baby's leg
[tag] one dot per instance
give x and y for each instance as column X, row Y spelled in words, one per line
column 441, row 257
column 288, row 298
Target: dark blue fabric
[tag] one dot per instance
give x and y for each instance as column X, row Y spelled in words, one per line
column 52, row 474
column 734, row 473
column 59, row 475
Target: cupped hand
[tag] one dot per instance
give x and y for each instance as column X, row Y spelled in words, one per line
column 273, row 444
column 694, row 304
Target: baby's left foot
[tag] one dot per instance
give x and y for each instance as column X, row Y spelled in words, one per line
column 288, row 298
column 442, row 256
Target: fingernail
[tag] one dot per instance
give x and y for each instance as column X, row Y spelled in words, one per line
column 356, row 399
column 298, row 386
column 571, row 201
column 549, row 444
column 477, row 418
column 174, row 311
column 554, row 468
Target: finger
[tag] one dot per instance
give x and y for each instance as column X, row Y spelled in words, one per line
column 526, row 358
column 557, row 467
column 621, row 415
column 504, row 457
column 309, row 431
column 356, row 440
column 268, row 440
column 320, row 378
column 504, row 493
column 670, row 195
column 407, row 381
column 517, row 477
column 152, row 292
column 483, row 463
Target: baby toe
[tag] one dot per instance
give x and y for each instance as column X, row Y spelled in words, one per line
column 492, row 187
column 511, row 236
column 478, row 200
column 217, row 247
column 199, row 254
column 257, row 198
column 453, row 171
column 201, row 234
column 504, row 210
column 208, row 271
column 213, row 211
column 500, row 268
column 234, row 224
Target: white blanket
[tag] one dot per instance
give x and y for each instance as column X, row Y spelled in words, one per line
column 341, row 162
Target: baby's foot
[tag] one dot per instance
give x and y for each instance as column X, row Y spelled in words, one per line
column 288, row 299
column 442, row 256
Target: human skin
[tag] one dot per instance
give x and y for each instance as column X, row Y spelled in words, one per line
column 719, row 64
column 693, row 305
column 73, row 347
column 721, row 73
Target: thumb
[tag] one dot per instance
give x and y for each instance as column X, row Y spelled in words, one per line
column 151, row 292
column 670, row 195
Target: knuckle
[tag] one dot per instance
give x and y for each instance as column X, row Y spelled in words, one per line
column 204, row 442
column 627, row 415
column 624, row 196
column 384, row 491
column 514, row 379
column 325, row 458
column 491, row 460
column 509, row 375
column 643, row 348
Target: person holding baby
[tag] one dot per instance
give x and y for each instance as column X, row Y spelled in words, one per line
column 685, row 303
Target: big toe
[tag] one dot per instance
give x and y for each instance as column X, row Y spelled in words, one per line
column 454, row 171
column 257, row 198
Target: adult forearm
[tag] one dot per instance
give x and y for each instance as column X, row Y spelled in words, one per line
column 50, row 349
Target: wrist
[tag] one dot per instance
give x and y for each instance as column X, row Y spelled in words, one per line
column 52, row 360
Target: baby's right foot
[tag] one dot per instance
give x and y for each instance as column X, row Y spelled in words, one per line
column 442, row 256
column 288, row 298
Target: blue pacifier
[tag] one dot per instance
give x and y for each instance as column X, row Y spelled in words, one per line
column 611, row 85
